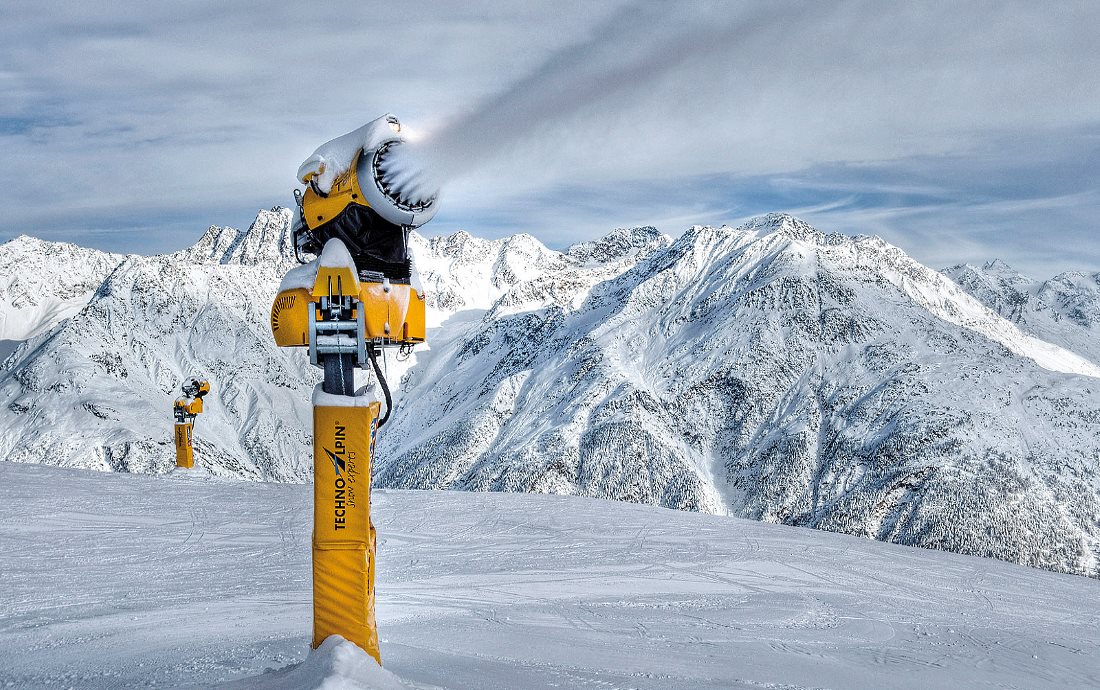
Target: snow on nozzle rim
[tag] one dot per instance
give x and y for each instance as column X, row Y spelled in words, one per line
column 396, row 183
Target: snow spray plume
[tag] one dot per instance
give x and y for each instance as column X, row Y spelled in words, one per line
column 626, row 55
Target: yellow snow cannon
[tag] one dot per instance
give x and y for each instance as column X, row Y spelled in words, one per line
column 358, row 298
column 186, row 409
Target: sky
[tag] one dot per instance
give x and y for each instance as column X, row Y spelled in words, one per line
column 960, row 132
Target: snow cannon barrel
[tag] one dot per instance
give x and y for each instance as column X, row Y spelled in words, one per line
column 359, row 296
column 196, row 388
column 325, row 306
column 368, row 189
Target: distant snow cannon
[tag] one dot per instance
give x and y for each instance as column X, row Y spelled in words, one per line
column 367, row 189
column 186, row 409
column 365, row 193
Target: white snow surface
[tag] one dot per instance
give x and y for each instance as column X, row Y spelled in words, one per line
column 127, row 581
column 362, row 398
column 335, row 255
column 304, row 277
column 335, row 665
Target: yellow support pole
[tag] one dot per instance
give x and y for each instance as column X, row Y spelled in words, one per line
column 345, row 322
column 343, row 536
column 185, row 453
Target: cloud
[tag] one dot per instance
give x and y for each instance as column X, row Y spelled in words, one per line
column 566, row 117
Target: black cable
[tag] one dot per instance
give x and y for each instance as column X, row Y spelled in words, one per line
column 382, row 381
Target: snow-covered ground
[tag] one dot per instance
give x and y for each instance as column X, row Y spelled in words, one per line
column 119, row 581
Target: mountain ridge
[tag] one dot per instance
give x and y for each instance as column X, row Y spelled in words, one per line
column 1064, row 308
column 771, row 371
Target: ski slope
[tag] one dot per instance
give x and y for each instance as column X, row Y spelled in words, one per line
column 124, row 581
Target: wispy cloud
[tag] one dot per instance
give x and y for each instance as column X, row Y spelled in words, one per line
column 954, row 130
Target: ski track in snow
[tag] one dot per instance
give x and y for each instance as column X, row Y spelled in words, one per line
column 124, row 581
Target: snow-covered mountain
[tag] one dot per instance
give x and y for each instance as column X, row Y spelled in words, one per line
column 43, row 283
column 96, row 391
column 778, row 373
column 769, row 371
column 1064, row 309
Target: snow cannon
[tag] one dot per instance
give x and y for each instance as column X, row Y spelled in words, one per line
column 369, row 189
column 186, row 409
column 358, row 298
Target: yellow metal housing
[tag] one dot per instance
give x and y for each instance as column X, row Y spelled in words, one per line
column 396, row 315
column 343, row 436
column 189, row 405
column 290, row 317
column 393, row 312
column 186, row 409
column 335, row 281
column 343, row 536
column 317, row 209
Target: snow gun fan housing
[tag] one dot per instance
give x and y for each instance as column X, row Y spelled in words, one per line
column 368, row 190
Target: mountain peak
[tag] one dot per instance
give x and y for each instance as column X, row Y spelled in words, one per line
column 267, row 241
column 214, row 244
column 20, row 240
column 618, row 244
column 524, row 239
column 785, row 224
column 456, row 242
column 28, row 244
column 999, row 269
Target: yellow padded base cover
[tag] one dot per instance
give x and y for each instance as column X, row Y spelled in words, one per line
column 185, row 453
column 343, row 536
